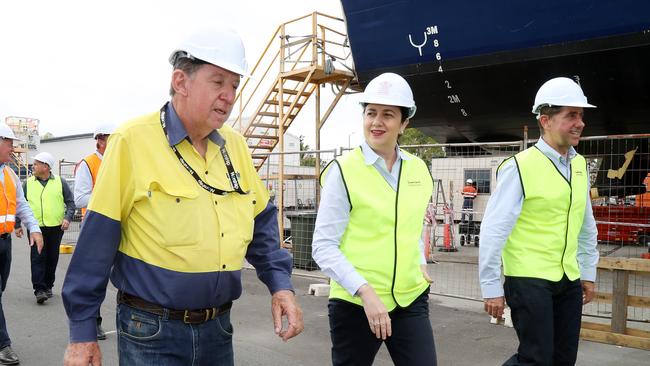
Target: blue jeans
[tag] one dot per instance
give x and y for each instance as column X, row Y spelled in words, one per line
column 146, row 339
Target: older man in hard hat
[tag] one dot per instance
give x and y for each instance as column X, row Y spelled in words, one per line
column 52, row 202
column 14, row 205
column 540, row 221
column 177, row 206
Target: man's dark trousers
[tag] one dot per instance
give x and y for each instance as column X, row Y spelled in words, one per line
column 5, row 266
column 546, row 316
column 44, row 264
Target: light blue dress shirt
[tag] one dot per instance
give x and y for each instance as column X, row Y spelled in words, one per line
column 502, row 212
column 23, row 211
column 334, row 215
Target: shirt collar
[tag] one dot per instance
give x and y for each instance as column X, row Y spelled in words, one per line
column 176, row 131
column 371, row 156
column 547, row 150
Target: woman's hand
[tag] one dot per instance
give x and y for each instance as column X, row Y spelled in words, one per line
column 378, row 318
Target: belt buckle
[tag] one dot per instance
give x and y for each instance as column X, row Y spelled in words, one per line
column 209, row 314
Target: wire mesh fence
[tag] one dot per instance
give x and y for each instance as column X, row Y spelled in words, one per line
column 67, row 172
column 619, row 168
column 296, row 194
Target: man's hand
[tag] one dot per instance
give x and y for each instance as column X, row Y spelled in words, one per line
column 65, row 225
column 283, row 303
column 36, row 238
column 19, row 232
column 376, row 312
column 425, row 273
column 83, row 354
column 588, row 288
column 494, row 306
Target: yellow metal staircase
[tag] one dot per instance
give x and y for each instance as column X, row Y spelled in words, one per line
column 291, row 70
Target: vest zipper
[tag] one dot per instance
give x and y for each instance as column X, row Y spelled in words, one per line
column 42, row 213
column 392, row 287
column 568, row 217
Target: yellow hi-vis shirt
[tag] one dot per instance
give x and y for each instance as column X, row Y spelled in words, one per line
column 544, row 241
column 382, row 238
column 167, row 220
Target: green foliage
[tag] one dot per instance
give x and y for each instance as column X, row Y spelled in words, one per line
column 413, row 136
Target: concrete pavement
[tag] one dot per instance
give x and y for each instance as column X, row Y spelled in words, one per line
column 463, row 334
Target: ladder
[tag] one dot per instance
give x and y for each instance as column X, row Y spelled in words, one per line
column 443, row 234
column 302, row 56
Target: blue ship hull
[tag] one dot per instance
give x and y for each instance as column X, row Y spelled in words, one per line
column 475, row 66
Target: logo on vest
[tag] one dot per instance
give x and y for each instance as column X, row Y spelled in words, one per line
column 579, row 173
column 414, row 183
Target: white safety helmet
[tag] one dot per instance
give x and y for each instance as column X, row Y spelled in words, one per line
column 6, row 132
column 469, row 181
column 221, row 47
column 560, row 92
column 389, row 89
column 47, row 158
column 104, row 129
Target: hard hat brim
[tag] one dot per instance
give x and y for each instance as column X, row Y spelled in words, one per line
column 578, row 104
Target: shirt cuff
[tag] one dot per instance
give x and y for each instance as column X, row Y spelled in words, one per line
column 492, row 290
column 35, row 229
column 352, row 282
column 588, row 274
column 276, row 281
column 83, row 330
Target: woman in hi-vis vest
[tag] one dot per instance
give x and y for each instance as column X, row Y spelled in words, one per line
column 368, row 237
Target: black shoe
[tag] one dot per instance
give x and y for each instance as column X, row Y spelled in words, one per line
column 41, row 297
column 8, row 356
column 100, row 332
column 49, row 293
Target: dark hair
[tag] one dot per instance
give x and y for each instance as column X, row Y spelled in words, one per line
column 188, row 66
column 403, row 110
column 548, row 110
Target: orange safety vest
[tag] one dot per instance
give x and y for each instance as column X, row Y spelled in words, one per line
column 469, row 192
column 93, row 161
column 8, row 205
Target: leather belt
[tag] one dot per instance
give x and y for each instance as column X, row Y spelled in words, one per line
column 197, row 316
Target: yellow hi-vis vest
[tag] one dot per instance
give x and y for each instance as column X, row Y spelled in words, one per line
column 382, row 237
column 46, row 202
column 544, row 241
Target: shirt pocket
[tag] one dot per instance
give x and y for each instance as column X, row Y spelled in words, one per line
column 175, row 213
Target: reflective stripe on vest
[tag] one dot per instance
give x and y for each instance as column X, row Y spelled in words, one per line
column 544, row 241
column 8, row 204
column 94, row 162
column 382, row 237
column 46, row 201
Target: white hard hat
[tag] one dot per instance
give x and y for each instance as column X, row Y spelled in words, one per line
column 6, row 132
column 104, row 129
column 469, row 181
column 45, row 157
column 389, row 89
column 221, row 47
column 560, row 92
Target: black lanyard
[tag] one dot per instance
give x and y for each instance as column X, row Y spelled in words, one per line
column 234, row 181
